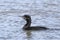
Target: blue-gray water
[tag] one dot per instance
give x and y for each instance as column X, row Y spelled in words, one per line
column 43, row 13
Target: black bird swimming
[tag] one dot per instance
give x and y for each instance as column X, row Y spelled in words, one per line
column 28, row 26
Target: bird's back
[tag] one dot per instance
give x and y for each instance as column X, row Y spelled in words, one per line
column 36, row 28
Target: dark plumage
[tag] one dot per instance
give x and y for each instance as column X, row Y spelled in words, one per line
column 28, row 26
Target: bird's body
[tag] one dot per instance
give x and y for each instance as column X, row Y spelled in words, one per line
column 28, row 26
column 35, row 28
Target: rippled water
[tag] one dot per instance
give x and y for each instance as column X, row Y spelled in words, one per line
column 43, row 13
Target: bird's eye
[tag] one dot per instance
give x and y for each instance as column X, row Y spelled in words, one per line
column 27, row 18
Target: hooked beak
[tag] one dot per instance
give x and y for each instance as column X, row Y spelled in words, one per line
column 22, row 17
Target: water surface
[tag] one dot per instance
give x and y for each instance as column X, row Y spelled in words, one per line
column 43, row 13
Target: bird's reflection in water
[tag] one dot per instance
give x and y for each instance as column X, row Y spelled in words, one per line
column 28, row 35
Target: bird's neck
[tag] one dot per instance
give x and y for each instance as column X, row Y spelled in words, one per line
column 28, row 23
